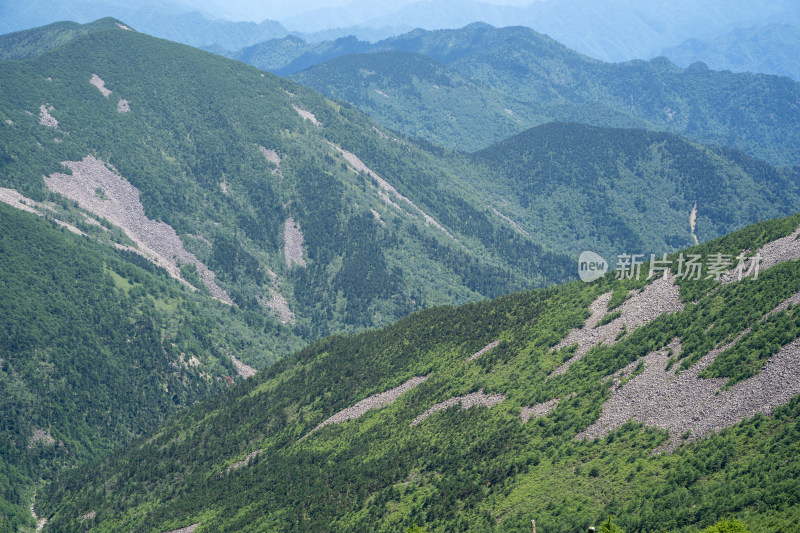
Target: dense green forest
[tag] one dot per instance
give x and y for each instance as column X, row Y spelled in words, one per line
column 191, row 145
column 619, row 191
column 472, row 469
column 98, row 346
column 315, row 220
column 539, row 80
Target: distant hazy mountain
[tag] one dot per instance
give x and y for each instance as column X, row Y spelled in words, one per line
column 538, row 79
column 771, row 49
column 169, row 20
column 617, row 30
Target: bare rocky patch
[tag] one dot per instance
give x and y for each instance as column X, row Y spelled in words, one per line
column 98, row 82
column 378, row 217
column 685, row 404
column 474, row 399
column 388, row 189
column 376, row 401
column 40, row 522
column 513, row 224
column 693, row 222
column 244, row 462
column 381, row 93
column 121, row 206
column 246, row 371
column 775, row 252
column 123, row 106
column 790, row 301
column 483, row 350
column 15, row 199
column 659, row 297
column 293, row 243
column 273, row 157
column 45, row 118
column 41, row 436
column 187, row 529
column 124, row 27
column 540, row 409
column 307, row 115
column 88, row 516
column 9, row 122
column 277, row 302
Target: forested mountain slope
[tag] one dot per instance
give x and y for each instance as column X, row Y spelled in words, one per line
column 283, row 201
column 619, row 191
column 31, row 43
column 213, row 216
column 540, row 80
column 668, row 402
column 98, row 346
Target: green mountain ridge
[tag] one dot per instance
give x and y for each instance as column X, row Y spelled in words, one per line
column 599, row 188
column 32, row 43
column 190, row 178
column 364, row 432
column 542, row 80
column 208, row 127
column 99, row 346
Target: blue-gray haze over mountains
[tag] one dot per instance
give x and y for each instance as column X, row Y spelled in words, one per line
column 620, row 30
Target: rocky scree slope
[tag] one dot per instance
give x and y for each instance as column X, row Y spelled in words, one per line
column 428, row 432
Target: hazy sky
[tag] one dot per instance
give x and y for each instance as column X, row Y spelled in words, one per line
column 258, row 10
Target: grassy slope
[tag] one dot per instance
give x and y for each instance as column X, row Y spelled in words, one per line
column 477, row 470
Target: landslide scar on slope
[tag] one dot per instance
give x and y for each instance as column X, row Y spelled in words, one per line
column 293, row 243
column 774, row 252
column 376, row 401
column 119, row 204
column 474, row 399
column 685, row 402
column 660, row 297
column 386, row 189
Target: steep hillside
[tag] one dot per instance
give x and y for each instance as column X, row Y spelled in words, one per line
column 283, row 202
column 98, row 346
column 668, row 402
column 32, row 43
column 419, row 96
column 619, row 191
column 755, row 113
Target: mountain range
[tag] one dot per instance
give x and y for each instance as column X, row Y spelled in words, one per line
column 770, row 49
column 177, row 225
column 510, row 79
